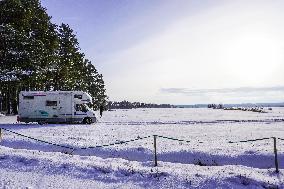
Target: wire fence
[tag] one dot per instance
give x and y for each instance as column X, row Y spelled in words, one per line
column 142, row 138
column 115, row 143
column 77, row 148
column 251, row 140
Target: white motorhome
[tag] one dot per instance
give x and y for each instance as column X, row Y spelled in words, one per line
column 55, row 107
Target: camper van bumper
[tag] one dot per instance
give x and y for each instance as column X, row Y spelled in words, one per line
column 51, row 120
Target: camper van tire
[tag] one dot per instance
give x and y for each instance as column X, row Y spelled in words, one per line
column 87, row 120
column 41, row 122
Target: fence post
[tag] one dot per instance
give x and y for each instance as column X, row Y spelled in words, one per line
column 0, row 134
column 155, row 151
column 275, row 153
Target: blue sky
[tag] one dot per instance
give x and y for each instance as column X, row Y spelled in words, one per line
column 181, row 52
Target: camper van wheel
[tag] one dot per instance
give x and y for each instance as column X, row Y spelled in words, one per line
column 87, row 120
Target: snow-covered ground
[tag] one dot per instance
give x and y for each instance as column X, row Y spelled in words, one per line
column 206, row 160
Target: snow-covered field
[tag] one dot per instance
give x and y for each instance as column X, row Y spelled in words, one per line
column 206, row 160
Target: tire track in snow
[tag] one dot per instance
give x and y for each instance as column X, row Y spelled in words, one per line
column 189, row 122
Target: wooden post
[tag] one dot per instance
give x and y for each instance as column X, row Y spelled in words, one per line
column 275, row 153
column 0, row 134
column 155, row 151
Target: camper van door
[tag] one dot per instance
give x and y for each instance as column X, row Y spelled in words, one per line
column 65, row 106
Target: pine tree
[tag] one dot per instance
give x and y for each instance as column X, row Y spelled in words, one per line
column 28, row 40
column 74, row 72
column 38, row 55
column 94, row 85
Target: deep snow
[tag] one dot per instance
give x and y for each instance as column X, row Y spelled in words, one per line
column 207, row 161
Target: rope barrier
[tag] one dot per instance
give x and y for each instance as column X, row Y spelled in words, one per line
column 126, row 141
column 39, row 140
column 250, row 140
column 115, row 143
column 83, row 148
column 175, row 139
column 170, row 138
column 141, row 138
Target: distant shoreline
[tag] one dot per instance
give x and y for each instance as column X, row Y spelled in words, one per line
column 234, row 105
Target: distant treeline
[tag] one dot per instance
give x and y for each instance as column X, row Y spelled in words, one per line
column 36, row 54
column 245, row 105
column 129, row 105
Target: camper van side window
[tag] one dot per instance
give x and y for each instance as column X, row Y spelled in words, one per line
column 78, row 96
column 28, row 97
column 51, row 103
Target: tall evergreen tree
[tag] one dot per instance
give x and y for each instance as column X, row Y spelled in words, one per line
column 28, row 40
column 74, row 72
column 94, row 84
column 70, row 59
column 38, row 55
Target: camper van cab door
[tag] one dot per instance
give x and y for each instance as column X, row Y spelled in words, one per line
column 80, row 110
